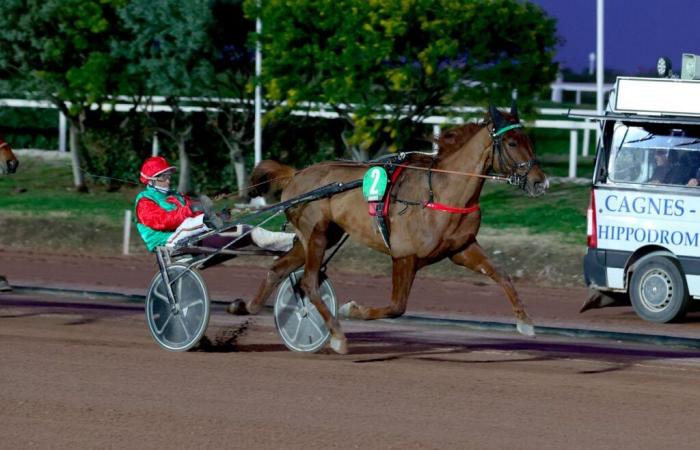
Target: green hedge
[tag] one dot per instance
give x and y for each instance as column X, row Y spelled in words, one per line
column 30, row 127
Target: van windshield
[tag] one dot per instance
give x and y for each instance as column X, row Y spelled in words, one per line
column 654, row 154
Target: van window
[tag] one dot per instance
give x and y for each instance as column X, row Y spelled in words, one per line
column 654, row 154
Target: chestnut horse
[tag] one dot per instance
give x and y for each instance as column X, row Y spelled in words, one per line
column 8, row 160
column 420, row 235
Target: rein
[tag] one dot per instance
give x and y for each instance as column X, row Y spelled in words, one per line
column 427, row 169
column 514, row 178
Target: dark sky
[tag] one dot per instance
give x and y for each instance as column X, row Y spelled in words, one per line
column 637, row 32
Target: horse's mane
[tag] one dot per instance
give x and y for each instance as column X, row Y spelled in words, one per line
column 453, row 139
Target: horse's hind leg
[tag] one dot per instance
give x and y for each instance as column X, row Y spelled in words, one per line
column 402, row 276
column 474, row 258
column 315, row 250
column 281, row 268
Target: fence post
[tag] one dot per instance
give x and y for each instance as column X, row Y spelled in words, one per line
column 62, row 126
column 155, row 148
column 573, row 139
column 436, row 136
column 556, row 88
column 586, row 140
column 127, row 232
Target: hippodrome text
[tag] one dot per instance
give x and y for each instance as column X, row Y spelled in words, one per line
column 647, row 206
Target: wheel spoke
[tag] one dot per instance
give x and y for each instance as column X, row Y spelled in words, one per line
column 199, row 301
column 178, row 297
column 286, row 303
column 160, row 296
column 162, row 329
column 313, row 322
column 187, row 308
column 184, row 327
column 296, row 332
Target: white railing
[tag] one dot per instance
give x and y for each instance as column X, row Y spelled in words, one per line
column 559, row 87
column 156, row 104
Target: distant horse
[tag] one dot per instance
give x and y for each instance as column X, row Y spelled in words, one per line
column 8, row 165
column 8, row 160
column 421, row 234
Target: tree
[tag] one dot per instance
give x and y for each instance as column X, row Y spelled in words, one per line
column 61, row 50
column 384, row 65
column 234, row 64
column 167, row 53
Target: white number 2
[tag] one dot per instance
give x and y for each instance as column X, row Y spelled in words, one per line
column 375, row 180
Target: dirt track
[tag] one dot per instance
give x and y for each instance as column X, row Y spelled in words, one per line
column 85, row 373
column 474, row 297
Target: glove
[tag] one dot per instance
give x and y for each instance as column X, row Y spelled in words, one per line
column 183, row 209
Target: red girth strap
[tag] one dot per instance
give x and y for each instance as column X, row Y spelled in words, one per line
column 430, row 205
column 387, row 196
column 452, row 209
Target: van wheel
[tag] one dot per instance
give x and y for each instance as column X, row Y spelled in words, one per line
column 658, row 290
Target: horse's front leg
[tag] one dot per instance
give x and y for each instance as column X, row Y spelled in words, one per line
column 403, row 274
column 280, row 269
column 474, row 258
column 315, row 249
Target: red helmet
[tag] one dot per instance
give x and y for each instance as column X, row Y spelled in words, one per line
column 154, row 166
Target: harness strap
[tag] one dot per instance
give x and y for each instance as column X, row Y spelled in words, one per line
column 451, row 209
column 431, row 195
column 394, row 177
column 507, row 128
column 431, row 204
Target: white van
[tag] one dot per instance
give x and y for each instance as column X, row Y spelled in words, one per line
column 644, row 212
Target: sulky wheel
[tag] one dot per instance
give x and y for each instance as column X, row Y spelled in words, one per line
column 298, row 322
column 181, row 327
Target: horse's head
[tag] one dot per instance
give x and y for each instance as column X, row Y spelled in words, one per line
column 513, row 155
column 8, row 160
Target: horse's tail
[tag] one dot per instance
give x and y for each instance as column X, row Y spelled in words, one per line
column 268, row 176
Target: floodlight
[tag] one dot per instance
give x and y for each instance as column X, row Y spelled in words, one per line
column 663, row 66
column 691, row 67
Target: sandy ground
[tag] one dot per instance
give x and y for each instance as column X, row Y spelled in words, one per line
column 77, row 373
column 474, row 297
column 84, row 372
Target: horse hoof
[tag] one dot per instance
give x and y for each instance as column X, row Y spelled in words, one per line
column 526, row 329
column 4, row 285
column 339, row 346
column 345, row 311
column 237, row 308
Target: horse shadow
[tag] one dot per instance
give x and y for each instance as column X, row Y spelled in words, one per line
column 396, row 346
column 391, row 346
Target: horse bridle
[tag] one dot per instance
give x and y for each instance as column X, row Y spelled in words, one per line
column 514, row 178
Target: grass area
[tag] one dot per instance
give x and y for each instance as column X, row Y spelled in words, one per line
column 558, row 166
column 537, row 239
column 43, row 189
column 562, row 210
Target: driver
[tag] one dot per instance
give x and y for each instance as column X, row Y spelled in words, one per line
column 165, row 217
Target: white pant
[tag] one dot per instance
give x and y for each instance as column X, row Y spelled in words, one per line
column 192, row 226
column 265, row 239
column 272, row 240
